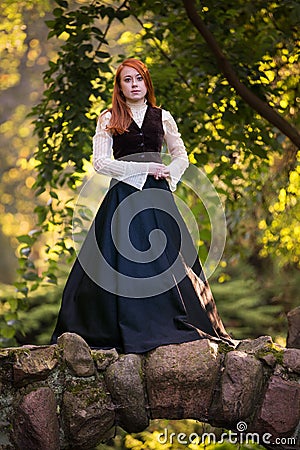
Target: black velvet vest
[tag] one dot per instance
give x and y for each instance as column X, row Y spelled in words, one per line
column 142, row 144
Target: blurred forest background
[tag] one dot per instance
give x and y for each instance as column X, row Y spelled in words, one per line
column 64, row 81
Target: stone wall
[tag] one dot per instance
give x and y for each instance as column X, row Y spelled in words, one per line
column 67, row 396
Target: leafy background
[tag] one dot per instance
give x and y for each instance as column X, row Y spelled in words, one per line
column 57, row 61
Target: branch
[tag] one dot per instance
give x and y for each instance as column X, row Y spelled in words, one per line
column 160, row 49
column 255, row 102
column 110, row 21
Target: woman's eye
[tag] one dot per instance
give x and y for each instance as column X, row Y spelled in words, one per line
column 139, row 78
column 126, row 80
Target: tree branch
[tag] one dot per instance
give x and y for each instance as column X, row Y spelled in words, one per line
column 255, row 102
column 160, row 49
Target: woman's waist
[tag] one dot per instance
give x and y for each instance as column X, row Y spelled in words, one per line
column 147, row 156
column 150, row 182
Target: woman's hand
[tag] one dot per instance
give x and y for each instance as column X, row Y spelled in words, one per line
column 158, row 170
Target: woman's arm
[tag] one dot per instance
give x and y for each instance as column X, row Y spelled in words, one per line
column 179, row 159
column 133, row 173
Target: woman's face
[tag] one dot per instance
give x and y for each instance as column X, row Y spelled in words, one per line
column 132, row 85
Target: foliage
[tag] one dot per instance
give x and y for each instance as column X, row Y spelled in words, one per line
column 282, row 234
column 13, row 36
column 190, row 431
column 22, row 58
column 37, row 321
column 241, row 153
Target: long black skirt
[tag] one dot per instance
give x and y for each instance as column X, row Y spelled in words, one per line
column 137, row 282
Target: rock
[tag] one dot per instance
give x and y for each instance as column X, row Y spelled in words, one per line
column 264, row 349
column 36, row 424
column 242, row 382
column 4, row 352
column 77, row 354
column 103, row 358
column 291, row 359
column 87, row 413
column 253, row 346
column 181, row 379
column 293, row 338
column 124, row 379
column 6, row 371
column 269, row 359
column 33, row 364
column 258, row 387
column 280, row 411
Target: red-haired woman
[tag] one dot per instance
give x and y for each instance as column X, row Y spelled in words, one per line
column 137, row 282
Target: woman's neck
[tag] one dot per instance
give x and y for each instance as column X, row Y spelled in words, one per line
column 138, row 104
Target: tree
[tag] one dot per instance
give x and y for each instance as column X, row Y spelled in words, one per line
column 241, row 152
column 247, row 95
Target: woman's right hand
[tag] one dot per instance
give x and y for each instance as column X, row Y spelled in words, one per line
column 158, row 170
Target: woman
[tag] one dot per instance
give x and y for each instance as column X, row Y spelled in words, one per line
column 137, row 282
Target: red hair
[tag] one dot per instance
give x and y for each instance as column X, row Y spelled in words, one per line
column 120, row 112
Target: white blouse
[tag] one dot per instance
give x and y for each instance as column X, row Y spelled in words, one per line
column 135, row 173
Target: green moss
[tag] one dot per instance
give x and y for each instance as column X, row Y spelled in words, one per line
column 272, row 349
column 224, row 348
column 19, row 351
column 141, row 374
column 88, row 395
column 103, row 359
column 77, row 388
column 99, row 357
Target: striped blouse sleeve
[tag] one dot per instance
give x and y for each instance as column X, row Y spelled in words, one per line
column 179, row 159
column 133, row 173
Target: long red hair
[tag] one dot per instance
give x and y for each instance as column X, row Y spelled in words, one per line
column 120, row 112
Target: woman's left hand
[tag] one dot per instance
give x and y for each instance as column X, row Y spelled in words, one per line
column 162, row 172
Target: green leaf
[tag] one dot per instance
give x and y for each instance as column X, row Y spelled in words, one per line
column 13, row 303
column 41, row 212
column 51, row 278
column 62, row 3
column 108, row 11
column 25, row 239
column 53, row 194
column 205, row 235
column 261, row 152
column 50, row 23
column 57, row 12
column 121, row 14
column 7, row 332
column 101, row 54
column 201, row 158
column 85, row 213
column 97, row 31
column 10, row 317
column 31, row 276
